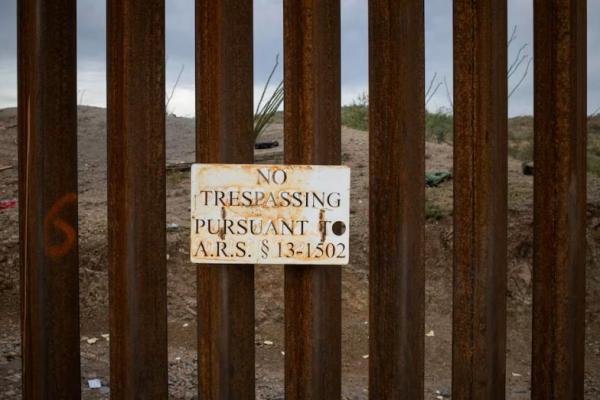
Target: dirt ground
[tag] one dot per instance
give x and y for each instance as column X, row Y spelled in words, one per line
column 269, row 279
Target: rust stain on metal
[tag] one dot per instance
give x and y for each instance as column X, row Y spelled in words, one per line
column 312, row 136
column 480, row 200
column 47, row 124
column 396, row 199
column 136, row 199
column 224, row 122
column 559, row 259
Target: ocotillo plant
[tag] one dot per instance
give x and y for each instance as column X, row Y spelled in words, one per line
column 264, row 112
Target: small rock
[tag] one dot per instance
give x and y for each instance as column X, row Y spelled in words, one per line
column 365, row 356
column 516, row 374
column 527, row 168
column 268, row 343
column 431, row 333
column 92, row 340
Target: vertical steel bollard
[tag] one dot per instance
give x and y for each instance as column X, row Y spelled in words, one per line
column 559, row 199
column 136, row 199
column 396, row 199
column 224, row 126
column 47, row 120
column 312, row 136
column 480, row 199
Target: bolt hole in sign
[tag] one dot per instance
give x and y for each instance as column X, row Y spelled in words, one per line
column 270, row 214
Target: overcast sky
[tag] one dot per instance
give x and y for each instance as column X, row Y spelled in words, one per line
column 268, row 43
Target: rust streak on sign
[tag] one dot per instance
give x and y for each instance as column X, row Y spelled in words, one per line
column 269, row 214
column 322, row 226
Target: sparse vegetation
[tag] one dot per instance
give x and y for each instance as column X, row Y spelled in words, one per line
column 520, row 141
column 176, row 177
column 520, row 138
column 433, row 211
column 520, row 65
column 593, row 145
column 438, row 126
column 170, row 94
column 356, row 115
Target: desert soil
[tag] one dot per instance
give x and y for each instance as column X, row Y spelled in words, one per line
column 269, row 279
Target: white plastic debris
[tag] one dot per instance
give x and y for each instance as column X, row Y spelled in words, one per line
column 186, row 325
column 92, row 340
column 268, row 343
column 94, row 383
column 172, row 227
column 516, row 374
column 430, row 334
column 365, row 356
column 105, row 336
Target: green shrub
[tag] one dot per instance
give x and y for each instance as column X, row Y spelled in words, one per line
column 521, row 150
column 356, row 115
column 433, row 211
column 593, row 163
column 438, row 126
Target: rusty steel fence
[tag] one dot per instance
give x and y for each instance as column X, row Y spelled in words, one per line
column 47, row 123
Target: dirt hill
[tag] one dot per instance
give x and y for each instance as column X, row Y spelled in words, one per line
column 269, row 279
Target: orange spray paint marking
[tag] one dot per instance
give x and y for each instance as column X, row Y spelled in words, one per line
column 52, row 220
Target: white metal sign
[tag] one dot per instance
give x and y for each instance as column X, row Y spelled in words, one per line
column 270, row 214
